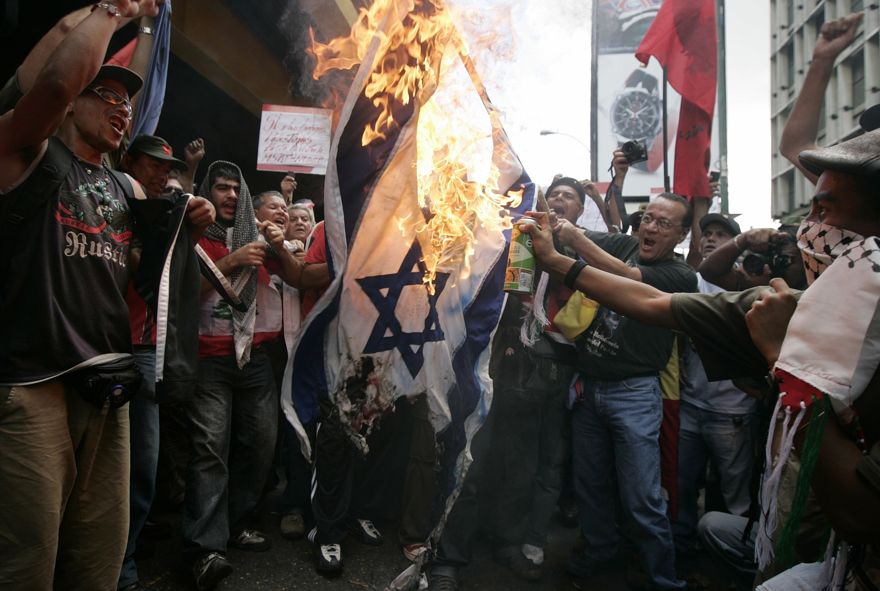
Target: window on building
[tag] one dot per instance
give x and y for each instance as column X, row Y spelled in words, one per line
column 789, row 12
column 856, row 5
column 857, row 76
column 788, row 51
column 788, row 184
column 818, row 21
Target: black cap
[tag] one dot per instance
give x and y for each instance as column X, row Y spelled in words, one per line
column 859, row 156
column 569, row 182
column 717, row 218
column 130, row 80
column 158, row 148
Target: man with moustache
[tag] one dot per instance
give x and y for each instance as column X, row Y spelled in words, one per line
column 617, row 407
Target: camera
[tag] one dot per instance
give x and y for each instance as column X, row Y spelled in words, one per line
column 634, row 151
column 780, row 255
column 172, row 193
column 753, row 263
column 776, row 258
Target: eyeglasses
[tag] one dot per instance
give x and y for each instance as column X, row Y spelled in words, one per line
column 662, row 223
column 109, row 96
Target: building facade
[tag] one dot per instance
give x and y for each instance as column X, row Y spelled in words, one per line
column 854, row 85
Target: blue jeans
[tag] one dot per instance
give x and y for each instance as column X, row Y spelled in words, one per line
column 616, row 453
column 727, row 440
column 233, row 422
column 144, row 420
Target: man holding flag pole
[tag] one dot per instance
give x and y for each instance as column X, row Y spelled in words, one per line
column 416, row 264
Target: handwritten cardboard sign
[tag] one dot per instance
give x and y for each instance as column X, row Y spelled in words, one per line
column 294, row 139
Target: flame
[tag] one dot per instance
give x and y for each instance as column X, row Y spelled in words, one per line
column 421, row 47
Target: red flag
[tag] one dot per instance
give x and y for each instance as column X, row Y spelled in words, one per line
column 684, row 40
column 124, row 55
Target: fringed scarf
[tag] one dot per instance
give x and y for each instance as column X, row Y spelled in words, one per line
column 830, row 353
column 243, row 279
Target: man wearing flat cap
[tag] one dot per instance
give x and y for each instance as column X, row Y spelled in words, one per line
column 821, row 345
column 65, row 355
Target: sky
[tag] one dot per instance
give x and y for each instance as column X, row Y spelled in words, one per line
column 548, row 61
column 748, row 110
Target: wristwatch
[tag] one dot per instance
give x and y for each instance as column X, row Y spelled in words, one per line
column 636, row 111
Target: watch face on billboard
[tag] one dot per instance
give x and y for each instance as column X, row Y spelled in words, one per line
column 635, row 114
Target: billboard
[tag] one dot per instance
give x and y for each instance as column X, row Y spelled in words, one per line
column 628, row 98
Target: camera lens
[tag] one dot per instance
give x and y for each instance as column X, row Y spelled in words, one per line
column 754, row 264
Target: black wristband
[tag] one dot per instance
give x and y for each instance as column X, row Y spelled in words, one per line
column 573, row 273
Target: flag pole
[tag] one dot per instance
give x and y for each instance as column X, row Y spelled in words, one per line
column 594, row 94
column 666, row 186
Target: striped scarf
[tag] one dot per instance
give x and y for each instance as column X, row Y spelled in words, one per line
column 244, row 279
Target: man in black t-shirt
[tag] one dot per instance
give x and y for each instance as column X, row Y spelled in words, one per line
column 617, row 407
column 64, row 473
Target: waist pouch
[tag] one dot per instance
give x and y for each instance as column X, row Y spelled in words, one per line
column 113, row 382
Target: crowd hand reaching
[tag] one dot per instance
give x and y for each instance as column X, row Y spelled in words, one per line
column 194, row 152
column 768, row 319
column 591, row 191
column 273, row 234
column 836, row 36
column 252, row 254
column 619, row 163
column 137, row 8
column 565, row 232
column 288, row 186
column 759, row 239
column 542, row 235
column 200, row 213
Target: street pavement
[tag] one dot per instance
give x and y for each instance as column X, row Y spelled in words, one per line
column 288, row 565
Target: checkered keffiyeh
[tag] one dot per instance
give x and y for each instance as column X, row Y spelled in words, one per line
column 820, row 244
column 833, row 339
column 244, row 280
column 832, row 345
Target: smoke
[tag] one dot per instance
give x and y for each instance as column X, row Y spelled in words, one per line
column 295, row 24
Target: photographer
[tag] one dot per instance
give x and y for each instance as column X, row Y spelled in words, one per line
column 773, row 253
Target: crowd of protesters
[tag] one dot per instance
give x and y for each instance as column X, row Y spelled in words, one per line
column 648, row 384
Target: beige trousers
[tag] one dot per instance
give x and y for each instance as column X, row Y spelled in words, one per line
column 64, row 473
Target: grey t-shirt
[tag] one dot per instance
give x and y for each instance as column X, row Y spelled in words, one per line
column 716, row 396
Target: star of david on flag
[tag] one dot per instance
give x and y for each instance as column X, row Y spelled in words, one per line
column 428, row 344
column 384, row 291
column 378, row 324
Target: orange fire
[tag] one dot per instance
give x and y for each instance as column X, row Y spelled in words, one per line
column 460, row 148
